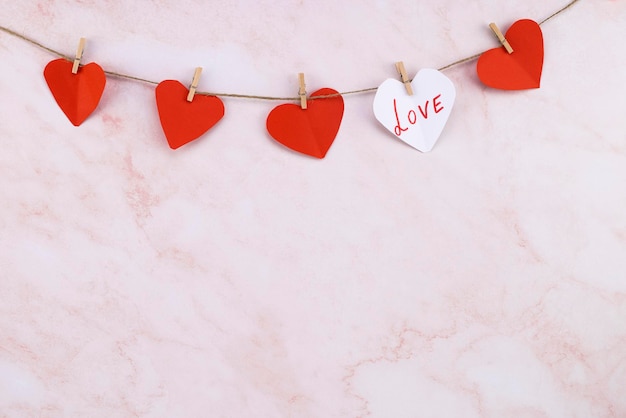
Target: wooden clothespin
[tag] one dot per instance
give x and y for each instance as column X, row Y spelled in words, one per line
column 79, row 55
column 302, row 90
column 194, row 84
column 501, row 38
column 403, row 76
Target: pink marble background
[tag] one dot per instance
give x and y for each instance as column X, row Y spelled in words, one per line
column 235, row 278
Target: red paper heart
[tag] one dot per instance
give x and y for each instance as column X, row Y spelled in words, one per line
column 519, row 70
column 310, row 131
column 77, row 94
column 184, row 121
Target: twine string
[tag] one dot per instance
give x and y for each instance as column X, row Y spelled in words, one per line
column 253, row 96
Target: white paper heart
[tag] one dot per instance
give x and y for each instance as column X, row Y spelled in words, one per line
column 418, row 119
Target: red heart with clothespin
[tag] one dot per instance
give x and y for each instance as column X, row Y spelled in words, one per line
column 310, row 131
column 184, row 121
column 520, row 69
column 77, row 94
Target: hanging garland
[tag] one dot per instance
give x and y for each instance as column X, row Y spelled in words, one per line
column 413, row 110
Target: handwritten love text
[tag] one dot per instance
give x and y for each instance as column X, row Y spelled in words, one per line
column 411, row 116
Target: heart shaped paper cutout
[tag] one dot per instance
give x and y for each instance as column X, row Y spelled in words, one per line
column 418, row 119
column 310, row 131
column 519, row 70
column 77, row 94
column 184, row 121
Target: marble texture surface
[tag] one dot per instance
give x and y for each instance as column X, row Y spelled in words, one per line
column 235, row 278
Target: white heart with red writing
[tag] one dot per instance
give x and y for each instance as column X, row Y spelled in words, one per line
column 418, row 119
